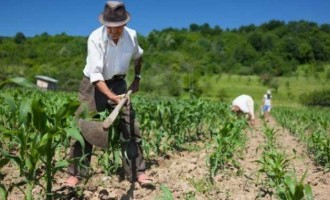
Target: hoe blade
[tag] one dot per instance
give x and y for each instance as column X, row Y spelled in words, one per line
column 94, row 133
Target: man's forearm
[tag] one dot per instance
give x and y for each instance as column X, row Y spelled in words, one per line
column 104, row 89
column 251, row 115
column 137, row 66
column 137, row 69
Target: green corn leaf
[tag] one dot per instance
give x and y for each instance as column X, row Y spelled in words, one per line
column 303, row 177
column 60, row 165
column 22, row 82
column 74, row 133
column 6, row 132
column 39, row 115
column 3, row 84
column 3, row 193
column 24, row 111
column 67, row 109
column 12, row 157
column 308, row 192
column 9, row 100
column 28, row 163
column 43, row 144
column 299, row 193
column 290, row 184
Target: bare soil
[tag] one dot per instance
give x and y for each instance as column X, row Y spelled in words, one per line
column 186, row 175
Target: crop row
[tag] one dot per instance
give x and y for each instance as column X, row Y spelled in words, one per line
column 36, row 128
column 312, row 126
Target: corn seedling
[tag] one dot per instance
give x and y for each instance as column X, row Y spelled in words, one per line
column 292, row 189
column 227, row 140
column 274, row 165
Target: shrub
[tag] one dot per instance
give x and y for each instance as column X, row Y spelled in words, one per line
column 316, row 98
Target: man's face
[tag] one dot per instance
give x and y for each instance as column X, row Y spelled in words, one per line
column 115, row 32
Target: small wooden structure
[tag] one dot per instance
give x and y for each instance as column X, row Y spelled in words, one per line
column 46, row 83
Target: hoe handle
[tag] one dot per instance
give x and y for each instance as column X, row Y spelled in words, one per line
column 113, row 115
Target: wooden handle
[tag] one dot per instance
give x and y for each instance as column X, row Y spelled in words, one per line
column 113, row 115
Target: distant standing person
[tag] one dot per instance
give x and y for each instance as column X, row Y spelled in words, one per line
column 110, row 49
column 267, row 104
column 244, row 104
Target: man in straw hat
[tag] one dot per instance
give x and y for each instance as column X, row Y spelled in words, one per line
column 110, row 50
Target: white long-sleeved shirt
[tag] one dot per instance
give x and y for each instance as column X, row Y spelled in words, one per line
column 106, row 59
column 245, row 104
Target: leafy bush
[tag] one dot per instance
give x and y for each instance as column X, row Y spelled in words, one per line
column 317, row 98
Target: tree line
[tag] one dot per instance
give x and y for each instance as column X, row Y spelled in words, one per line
column 174, row 58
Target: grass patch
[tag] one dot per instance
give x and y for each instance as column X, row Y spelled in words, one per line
column 227, row 87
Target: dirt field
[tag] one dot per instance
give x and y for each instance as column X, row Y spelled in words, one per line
column 185, row 174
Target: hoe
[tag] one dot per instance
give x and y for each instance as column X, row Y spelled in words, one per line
column 95, row 132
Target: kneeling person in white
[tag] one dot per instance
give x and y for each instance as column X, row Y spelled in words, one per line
column 244, row 104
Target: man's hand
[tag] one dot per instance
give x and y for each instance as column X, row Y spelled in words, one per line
column 115, row 99
column 252, row 122
column 106, row 91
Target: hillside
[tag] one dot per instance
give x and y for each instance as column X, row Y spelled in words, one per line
column 177, row 61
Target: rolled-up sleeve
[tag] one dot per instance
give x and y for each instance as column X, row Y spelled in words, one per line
column 94, row 60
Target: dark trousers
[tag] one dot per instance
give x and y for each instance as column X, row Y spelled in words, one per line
column 94, row 100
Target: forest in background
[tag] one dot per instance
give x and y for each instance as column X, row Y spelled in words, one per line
column 176, row 59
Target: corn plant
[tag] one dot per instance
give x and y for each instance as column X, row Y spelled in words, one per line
column 196, row 114
column 110, row 159
column 270, row 137
column 312, row 127
column 227, row 141
column 319, row 148
column 36, row 134
column 172, row 125
column 292, row 189
column 274, row 164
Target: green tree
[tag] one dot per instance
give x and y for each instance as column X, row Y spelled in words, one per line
column 19, row 38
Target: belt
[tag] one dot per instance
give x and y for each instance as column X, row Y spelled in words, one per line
column 116, row 78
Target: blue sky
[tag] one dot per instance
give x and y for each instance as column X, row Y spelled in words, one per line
column 75, row 17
